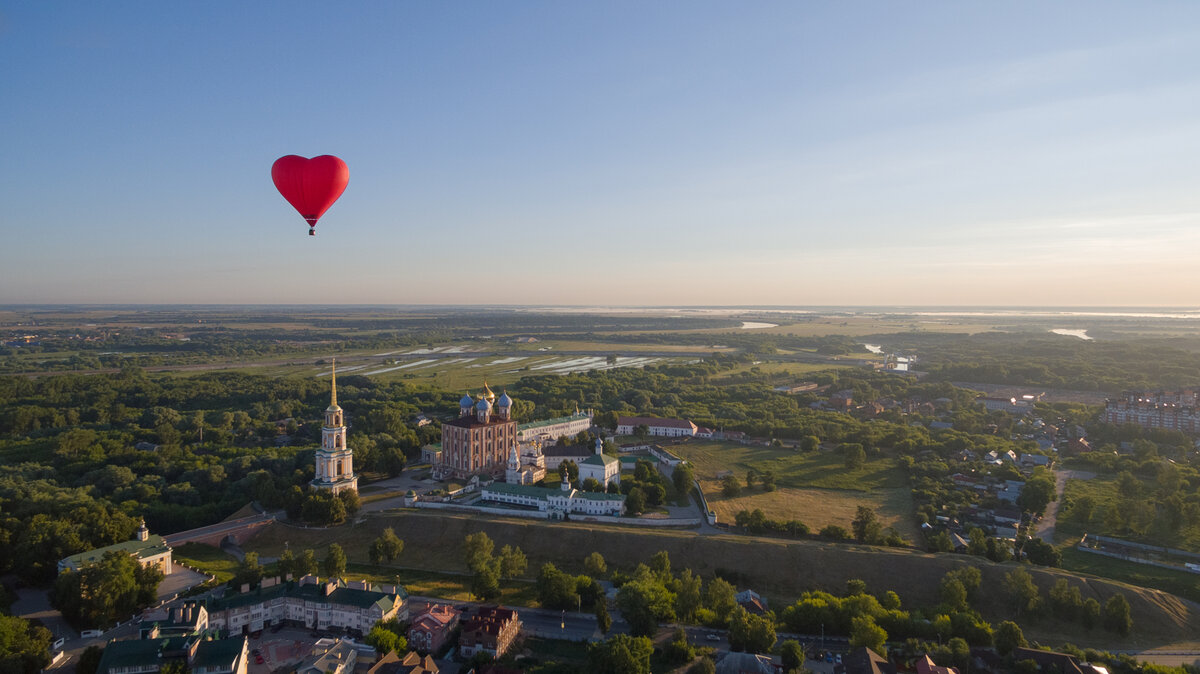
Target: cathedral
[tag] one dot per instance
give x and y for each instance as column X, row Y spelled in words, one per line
column 335, row 461
column 480, row 440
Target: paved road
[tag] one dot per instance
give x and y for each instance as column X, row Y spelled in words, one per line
column 226, row 527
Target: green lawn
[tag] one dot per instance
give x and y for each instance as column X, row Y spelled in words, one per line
column 442, row 585
column 820, row 469
column 1181, row 583
column 208, row 559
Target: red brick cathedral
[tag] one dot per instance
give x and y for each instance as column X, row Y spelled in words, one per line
column 479, row 440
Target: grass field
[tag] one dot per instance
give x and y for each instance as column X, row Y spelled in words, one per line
column 442, row 585
column 818, row 507
column 1186, row 585
column 785, row 568
column 208, row 559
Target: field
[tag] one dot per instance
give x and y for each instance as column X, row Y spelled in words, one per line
column 1186, row 585
column 785, row 568
column 208, row 559
column 815, row 488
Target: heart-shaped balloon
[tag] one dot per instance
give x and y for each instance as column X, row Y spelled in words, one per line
column 310, row 185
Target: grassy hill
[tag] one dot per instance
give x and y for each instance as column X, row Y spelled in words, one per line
column 779, row 569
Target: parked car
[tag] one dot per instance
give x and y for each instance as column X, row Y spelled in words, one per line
column 713, row 636
column 838, row 658
column 829, row 657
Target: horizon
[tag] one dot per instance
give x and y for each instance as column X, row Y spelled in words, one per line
column 605, row 155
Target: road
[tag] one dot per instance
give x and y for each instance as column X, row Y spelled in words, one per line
column 1050, row 519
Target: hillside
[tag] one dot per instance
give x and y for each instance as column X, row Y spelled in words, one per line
column 780, row 569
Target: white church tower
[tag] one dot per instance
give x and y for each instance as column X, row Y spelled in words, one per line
column 335, row 461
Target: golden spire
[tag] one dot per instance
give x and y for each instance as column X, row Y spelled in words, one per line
column 487, row 392
column 333, row 381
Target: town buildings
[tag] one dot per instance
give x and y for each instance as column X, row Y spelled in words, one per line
column 550, row 430
column 409, row 663
column 1172, row 410
column 431, row 627
column 334, row 460
column 199, row 653
column 668, row 428
column 556, row 503
column 532, row 470
column 600, row 467
column 491, row 630
column 330, row 656
column 356, row 606
column 149, row 550
column 480, row 440
column 1013, row 404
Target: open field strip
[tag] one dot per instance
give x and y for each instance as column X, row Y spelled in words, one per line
column 455, row 361
column 400, row 367
column 500, row 361
column 568, row 363
column 352, row 368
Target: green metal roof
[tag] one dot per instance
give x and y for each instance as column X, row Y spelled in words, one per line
column 221, row 653
column 540, row 493
column 600, row 460
column 154, row 545
column 344, row 596
column 549, row 422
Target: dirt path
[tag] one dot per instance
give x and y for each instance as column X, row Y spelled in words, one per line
column 1050, row 519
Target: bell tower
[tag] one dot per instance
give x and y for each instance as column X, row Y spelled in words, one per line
column 334, row 460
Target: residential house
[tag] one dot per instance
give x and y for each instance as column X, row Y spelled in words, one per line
column 670, row 428
column 863, row 660
column 925, row 666
column 354, row 606
column 409, row 663
column 752, row 602
column 491, row 630
column 148, row 549
column 747, row 663
column 198, row 653
column 330, row 656
column 431, row 626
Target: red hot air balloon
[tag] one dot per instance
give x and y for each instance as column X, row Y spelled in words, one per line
column 310, row 185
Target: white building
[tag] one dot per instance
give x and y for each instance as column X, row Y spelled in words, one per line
column 334, row 460
column 556, row 503
column 322, row 606
column 667, row 428
column 550, row 430
column 600, row 467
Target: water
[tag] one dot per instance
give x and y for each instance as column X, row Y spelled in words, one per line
column 753, row 325
column 1082, row 334
column 874, row 348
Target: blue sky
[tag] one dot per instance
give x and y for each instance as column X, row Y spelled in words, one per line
column 604, row 153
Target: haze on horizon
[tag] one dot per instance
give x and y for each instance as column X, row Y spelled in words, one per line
column 606, row 154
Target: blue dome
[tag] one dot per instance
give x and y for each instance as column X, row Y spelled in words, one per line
column 466, row 401
column 504, row 400
column 483, row 405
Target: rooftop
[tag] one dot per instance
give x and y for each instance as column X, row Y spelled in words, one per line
column 141, row 549
column 550, row 422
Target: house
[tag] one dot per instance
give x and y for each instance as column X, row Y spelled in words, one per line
column 863, row 660
column 330, row 657
column 491, row 630
column 1011, row 491
column 354, row 606
column 600, row 467
column 1034, row 460
column 147, row 549
column 842, row 400
column 752, row 602
column 925, row 666
column 668, row 428
column 747, row 663
column 940, row 426
column 198, row 653
column 409, row 663
column 1048, row 661
column 431, row 627
column 555, row 455
column 960, row 545
column 187, row 619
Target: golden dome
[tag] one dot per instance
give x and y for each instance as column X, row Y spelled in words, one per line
column 487, row 393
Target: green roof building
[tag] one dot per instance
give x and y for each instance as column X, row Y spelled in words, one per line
column 149, row 549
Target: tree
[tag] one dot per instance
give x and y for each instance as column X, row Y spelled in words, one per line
column 635, row 501
column 512, row 562
column 286, row 564
column 307, row 564
column 385, row 640
column 704, row 666
column 594, row 565
column 1036, row 494
column 335, row 561
column 768, row 480
column 106, row 591
column 864, row 632
column 387, row 547
column 603, row 620
column 1021, row 591
column 249, row 572
column 1008, row 637
column 730, row 487
column 660, row 564
column 751, row 633
column 89, row 660
column 793, row 656
column 620, row 654
column 866, row 526
column 641, row 432
column 810, row 443
column 953, row 594
column 25, row 647
column 1116, row 615
column 678, row 650
column 854, row 455
column 1089, row 615
column 485, row 584
column 644, row 604
column 477, row 550
column 720, row 598
column 688, row 597
column 855, row 587
column 556, row 589
column 684, row 477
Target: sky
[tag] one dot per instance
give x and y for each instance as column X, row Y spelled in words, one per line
column 603, row 153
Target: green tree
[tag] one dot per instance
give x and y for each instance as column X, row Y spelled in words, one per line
column 953, row 594
column 89, row 660
column 387, row 547
column 792, row 654
column 512, row 562
column 1116, row 615
column 864, row 632
column 679, row 650
column 249, row 571
column 720, row 598
column 703, row 666
column 335, row 561
column 684, row 477
column 555, row 589
column 24, row 647
column 286, row 564
column 1023, row 594
column 866, row 526
column 594, row 565
column 688, row 597
column 477, row 550
column 644, row 604
column 635, row 501
column 307, row 564
column 810, row 443
column 485, row 584
column 385, row 640
column 620, row 654
column 1036, row 494
column 751, row 633
column 730, row 487
column 603, row 620
column 1008, row 637
column 853, row 455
